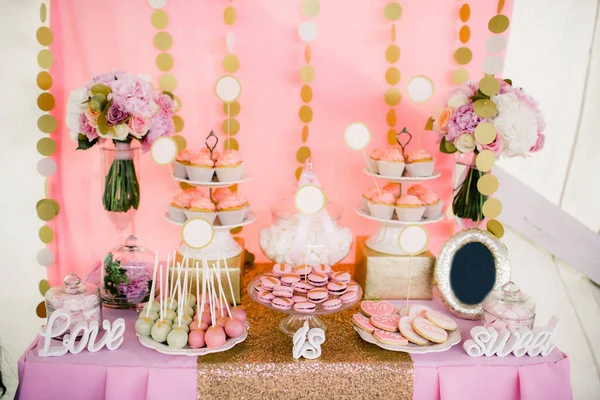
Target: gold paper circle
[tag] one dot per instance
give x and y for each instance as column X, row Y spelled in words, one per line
column 185, row 186
column 392, row 11
column 307, row 74
column 229, row 15
column 465, row 34
column 231, row 63
column 392, row 53
column 465, row 12
column 180, row 142
column 393, row 96
column 44, row 80
column 178, row 122
column 495, row 228
column 234, row 188
column 302, row 154
column 304, row 133
column 498, row 23
column 391, row 117
column 46, row 146
column 489, row 86
column 298, row 173
column 163, row 41
column 485, row 108
column 485, row 133
column 43, row 286
column 307, row 54
column 237, row 230
column 46, row 234
column 459, row 76
column 167, row 82
column 500, row 6
column 44, row 36
column 164, row 61
column 47, row 123
column 392, row 75
column 233, row 110
column 310, row 8
column 43, row 12
column 487, row 184
column 463, row 55
column 159, row 19
column 233, row 124
column 492, row 208
column 306, row 114
column 231, row 143
column 306, row 93
column 45, row 59
column 40, row 310
column 391, row 137
column 485, row 160
column 45, row 210
column 45, row 101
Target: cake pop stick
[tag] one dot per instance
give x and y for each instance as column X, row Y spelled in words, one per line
column 162, row 314
column 204, row 277
column 151, row 294
column 216, row 268
column 229, row 280
column 221, row 291
column 172, row 288
column 213, row 312
column 165, row 296
column 198, row 312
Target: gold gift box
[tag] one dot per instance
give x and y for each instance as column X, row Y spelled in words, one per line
column 236, row 271
column 385, row 276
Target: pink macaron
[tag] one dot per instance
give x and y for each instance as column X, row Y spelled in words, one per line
column 336, row 288
column 317, row 295
column 352, row 287
column 299, row 299
column 258, row 287
column 306, row 307
column 322, row 269
column 283, row 291
column 303, row 270
column 317, row 279
column 266, row 296
column 341, row 276
column 281, row 269
column 301, row 287
column 291, row 278
column 332, row 304
column 282, row 303
column 349, row 297
column 269, row 282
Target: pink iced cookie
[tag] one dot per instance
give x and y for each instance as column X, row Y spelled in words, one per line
column 370, row 308
column 408, row 332
column 391, row 338
column 363, row 323
column 414, row 310
column 441, row 320
column 429, row 331
column 388, row 322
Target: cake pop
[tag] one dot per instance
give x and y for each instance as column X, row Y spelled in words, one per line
column 185, row 319
column 143, row 326
column 238, row 313
column 153, row 315
column 190, row 299
column 177, row 338
column 166, row 321
column 159, row 331
column 170, row 314
column 221, row 321
column 234, row 328
column 198, row 325
column 154, row 306
column 188, row 310
column 196, row 339
column 215, row 335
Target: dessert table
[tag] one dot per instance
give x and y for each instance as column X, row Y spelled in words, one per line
column 263, row 367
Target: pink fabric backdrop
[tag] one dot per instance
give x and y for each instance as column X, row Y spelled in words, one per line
column 348, row 56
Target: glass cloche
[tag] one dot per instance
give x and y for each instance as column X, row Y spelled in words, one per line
column 508, row 308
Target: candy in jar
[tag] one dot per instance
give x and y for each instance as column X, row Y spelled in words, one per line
column 508, row 308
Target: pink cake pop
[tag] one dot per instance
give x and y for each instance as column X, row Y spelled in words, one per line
column 215, row 335
column 196, row 339
column 239, row 313
column 234, row 328
column 198, row 325
column 221, row 321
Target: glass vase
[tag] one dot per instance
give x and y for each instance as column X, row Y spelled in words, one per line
column 467, row 203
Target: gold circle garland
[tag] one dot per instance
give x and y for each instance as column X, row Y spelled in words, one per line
column 392, row 12
column 463, row 55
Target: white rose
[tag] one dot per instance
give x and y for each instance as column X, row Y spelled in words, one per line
column 75, row 102
column 457, row 100
column 118, row 132
column 517, row 123
column 465, row 143
column 73, row 121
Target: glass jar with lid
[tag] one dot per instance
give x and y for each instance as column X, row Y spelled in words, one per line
column 509, row 308
column 81, row 300
column 126, row 275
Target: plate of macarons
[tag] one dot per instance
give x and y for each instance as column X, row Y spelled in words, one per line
column 418, row 329
column 305, row 289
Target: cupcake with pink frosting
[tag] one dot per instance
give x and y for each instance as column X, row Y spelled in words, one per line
column 374, row 158
column 230, row 166
column 391, row 164
column 367, row 197
column 393, row 188
column 409, row 208
column 382, row 205
column 219, row 194
column 232, row 209
column 419, row 163
column 202, row 207
column 181, row 161
column 202, row 167
column 433, row 204
column 179, row 205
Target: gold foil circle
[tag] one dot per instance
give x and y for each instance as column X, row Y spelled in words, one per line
column 302, row 154
column 185, row 186
column 304, row 133
column 485, row 108
column 237, row 230
column 230, row 126
column 460, row 75
column 465, row 34
column 47, row 209
column 45, row 59
column 306, row 93
column 489, row 85
column 40, row 310
column 495, row 228
column 178, row 122
column 298, row 173
column 234, row 188
column 43, row 12
column 310, row 8
column 229, row 15
column 392, row 76
column 391, row 117
column 159, row 19
column 46, row 235
column 47, row 123
column 180, row 142
column 485, row 133
column 465, row 12
column 307, row 74
column 492, row 208
column 392, row 11
column 463, row 55
column 485, row 160
column 232, row 144
column 164, row 61
column 307, row 54
column 46, row 146
column 487, row 184
column 498, row 23
column 44, row 36
column 43, row 286
column 44, row 80
column 45, row 101
column 392, row 53
column 306, row 114
column 500, row 6
column 393, row 96
column 232, row 109
column 163, row 41
column 167, row 82
column 231, row 63
column 391, row 137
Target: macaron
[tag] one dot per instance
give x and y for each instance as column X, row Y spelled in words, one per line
column 305, row 307
column 341, row 276
column 282, row 303
column 336, row 288
column 352, row 287
column 317, row 295
column 281, row 269
column 349, row 297
column 299, row 299
column 266, row 296
column 258, row 287
column 332, row 304
column 322, row 269
column 301, row 287
column 283, row 291
column 269, row 282
column 291, row 278
column 303, row 270
column 317, row 279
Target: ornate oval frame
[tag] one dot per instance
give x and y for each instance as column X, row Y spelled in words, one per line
column 444, row 265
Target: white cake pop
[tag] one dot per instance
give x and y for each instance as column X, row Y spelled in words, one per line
column 177, row 338
column 159, row 331
column 150, row 314
column 170, row 314
column 143, row 326
column 188, row 310
column 172, row 304
column 154, row 306
column 190, row 300
column 168, row 322
column 185, row 319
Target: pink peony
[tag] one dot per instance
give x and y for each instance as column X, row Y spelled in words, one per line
column 137, row 94
column 464, row 120
column 139, row 126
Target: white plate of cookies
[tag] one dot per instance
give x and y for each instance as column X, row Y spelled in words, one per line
column 422, row 330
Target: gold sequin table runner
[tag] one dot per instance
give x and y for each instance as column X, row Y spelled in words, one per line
column 263, row 366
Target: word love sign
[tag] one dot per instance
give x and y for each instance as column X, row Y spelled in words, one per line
column 59, row 322
column 307, row 343
column 489, row 341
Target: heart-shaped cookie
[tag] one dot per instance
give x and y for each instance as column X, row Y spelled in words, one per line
column 370, row 308
column 363, row 323
column 392, row 338
column 387, row 322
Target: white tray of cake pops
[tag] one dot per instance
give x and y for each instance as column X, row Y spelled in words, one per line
column 183, row 324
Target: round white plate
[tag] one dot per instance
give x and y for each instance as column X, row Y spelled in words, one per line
column 453, row 339
column 365, row 214
column 163, row 348
column 212, row 184
column 250, row 218
column 404, row 179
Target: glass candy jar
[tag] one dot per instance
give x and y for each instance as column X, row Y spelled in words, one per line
column 81, row 300
column 126, row 275
column 508, row 308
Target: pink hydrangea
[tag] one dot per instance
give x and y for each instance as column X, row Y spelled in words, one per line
column 464, row 120
column 162, row 125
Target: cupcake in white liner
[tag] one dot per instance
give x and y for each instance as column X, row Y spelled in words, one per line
column 409, row 208
column 232, row 209
column 202, row 207
column 230, row 166
column 179, row 205
column 382, row 205
column 420, row 163
column 182, row 160
column 367, row 197
column 391, row 163
column 201, row 168
column 433, row 204
column 393, row 188
column 219, row 194
column 373, row 159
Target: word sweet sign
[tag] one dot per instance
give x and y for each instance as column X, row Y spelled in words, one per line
column 307, row 342
column 59, row 322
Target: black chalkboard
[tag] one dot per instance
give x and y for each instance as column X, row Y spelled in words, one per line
column 472, row 273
